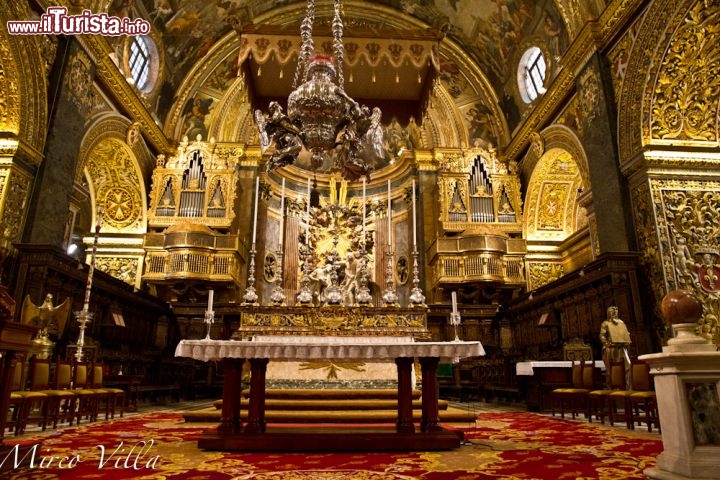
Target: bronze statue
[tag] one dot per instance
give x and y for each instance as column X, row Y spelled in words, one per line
column 615, row 339
column 50, row 319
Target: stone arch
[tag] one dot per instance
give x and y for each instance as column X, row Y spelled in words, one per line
column 231, row 119
column 555, row 137
column 23, row 98
column 649, row 113
column 556, row 172
column 114, row 174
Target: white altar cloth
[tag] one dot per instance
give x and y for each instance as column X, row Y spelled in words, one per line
column 365, row 348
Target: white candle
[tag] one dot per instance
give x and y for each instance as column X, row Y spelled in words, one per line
column 414, row 220
column 257, row 190
column 363, row 213
column 211, row 294
column 307, row 215
column 389, row 215
column 454, row 302
column 282, row 215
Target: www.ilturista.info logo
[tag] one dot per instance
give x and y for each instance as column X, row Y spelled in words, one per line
column 56, row 21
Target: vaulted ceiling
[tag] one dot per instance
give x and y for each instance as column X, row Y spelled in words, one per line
column 486, row 31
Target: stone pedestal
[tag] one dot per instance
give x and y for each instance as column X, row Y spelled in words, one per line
column 687, row 384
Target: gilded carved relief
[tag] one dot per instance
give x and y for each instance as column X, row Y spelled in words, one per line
column 116, row 185
column 619, row 57
column 14, row 195
column 79, row 83
column 589, row 94
column 542, row 273
column 649, row 248
column 688, row 225
column 551, row 197
column 685, row 100
column 122, row 268
column 9, row 91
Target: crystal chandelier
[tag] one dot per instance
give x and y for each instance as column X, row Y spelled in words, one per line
column 339, row 134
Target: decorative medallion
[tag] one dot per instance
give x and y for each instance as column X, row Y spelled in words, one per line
column 119, row 207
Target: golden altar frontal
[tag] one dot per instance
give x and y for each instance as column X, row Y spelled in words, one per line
column 333, row 320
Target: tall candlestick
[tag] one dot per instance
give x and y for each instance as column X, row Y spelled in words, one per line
column 91, row 269
column 257, row 191
column 454, row 302
column 307, row 216
column 414, row 220
column 363, row 212
column 282, row 215
column 389, row 215
column 211, row 294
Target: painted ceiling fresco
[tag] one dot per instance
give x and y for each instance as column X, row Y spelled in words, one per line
column 488, row 30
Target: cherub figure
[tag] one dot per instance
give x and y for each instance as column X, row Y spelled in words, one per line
column 279, row 129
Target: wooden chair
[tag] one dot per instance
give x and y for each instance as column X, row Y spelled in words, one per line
column 52, row 400
column 63, row 405
column 576, row 396
column 639, row 382
column 598, row 399
column 16, row 407
column 643, row 401
column 88, row 398
column 113, row 397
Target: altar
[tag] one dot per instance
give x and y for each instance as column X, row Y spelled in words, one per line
column 253, row 434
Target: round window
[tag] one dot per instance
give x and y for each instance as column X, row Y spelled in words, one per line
column 531, row 74
column 142, row 62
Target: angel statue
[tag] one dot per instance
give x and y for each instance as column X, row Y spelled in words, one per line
column 46, row 316
column 278, row 128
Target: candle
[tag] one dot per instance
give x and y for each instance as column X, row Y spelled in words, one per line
column 363, row 212
column 454, row 302
column 414, row 220
column 211, row 294
column 389, row 215
column 282, row 215
column 257, row 191
column 307, row 215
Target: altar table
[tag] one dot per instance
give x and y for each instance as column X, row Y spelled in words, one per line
column 253, row 435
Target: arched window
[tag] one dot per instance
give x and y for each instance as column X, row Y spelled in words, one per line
column 531, row 74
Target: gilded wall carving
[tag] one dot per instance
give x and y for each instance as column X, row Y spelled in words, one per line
column 542, row 273
column 117, row 187
column 25, row 84
column 688, row 225
column 589, row 95
column 79, row 83
column 9, row 91
column 632, row 105
column 122, row 268
column 550, row 211
column 619, row 57
column 14, row 197
column 685, row 99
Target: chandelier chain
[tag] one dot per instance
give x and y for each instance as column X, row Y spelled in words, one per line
column 307, row 47
column 339, row 50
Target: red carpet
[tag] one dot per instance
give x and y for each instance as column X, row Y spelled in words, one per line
column 503, row 446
